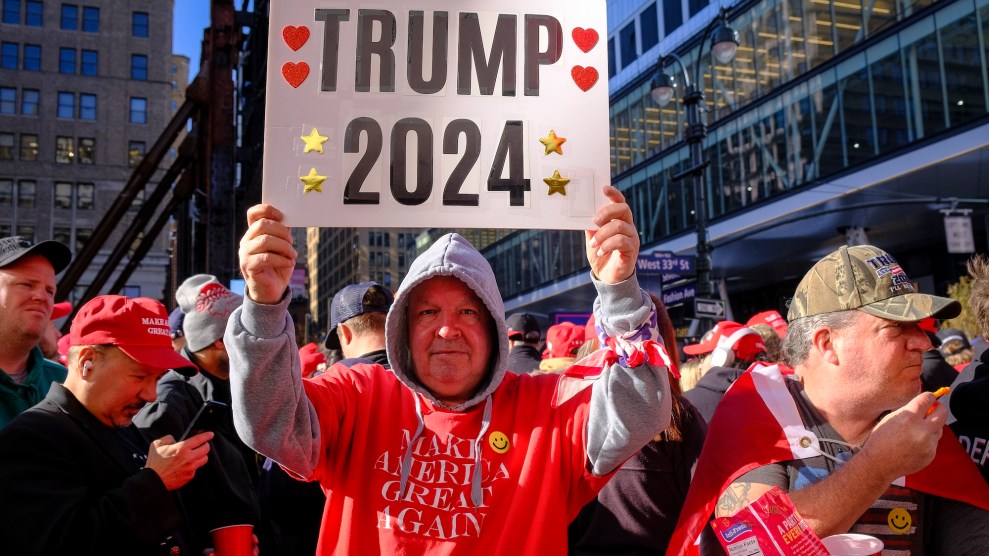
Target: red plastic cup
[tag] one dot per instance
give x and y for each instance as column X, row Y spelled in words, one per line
column 853, row 544
column 233, row 540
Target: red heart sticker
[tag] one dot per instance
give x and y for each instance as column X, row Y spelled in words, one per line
column 585, row 39
column 585, row 78
column 295, row 37
column 295, row 74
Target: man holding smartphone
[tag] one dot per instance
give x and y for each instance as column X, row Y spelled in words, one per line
column 224, row 493
column 76, row 477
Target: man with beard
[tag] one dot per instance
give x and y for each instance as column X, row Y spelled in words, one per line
column 853, row 439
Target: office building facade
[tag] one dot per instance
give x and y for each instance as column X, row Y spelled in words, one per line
column 836, row 121
column 85, row 89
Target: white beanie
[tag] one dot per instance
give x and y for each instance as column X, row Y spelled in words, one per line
column 207, row 306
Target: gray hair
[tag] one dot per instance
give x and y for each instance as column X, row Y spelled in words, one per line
column 800, row 334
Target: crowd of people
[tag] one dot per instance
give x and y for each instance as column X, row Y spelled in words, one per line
column 429, row 421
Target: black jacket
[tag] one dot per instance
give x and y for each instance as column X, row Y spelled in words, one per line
column 711, row 388
column 935, row 371
column 523, row 359
column 71, row 485
column 969, row 404
column 223, row 492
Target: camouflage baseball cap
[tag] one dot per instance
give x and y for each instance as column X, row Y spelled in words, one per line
column 869, row 279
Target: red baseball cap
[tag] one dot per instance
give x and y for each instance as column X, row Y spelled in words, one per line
column 138, row 327
column 563, row 339
column 59, row 310
column 773, row 319
column 746, row 346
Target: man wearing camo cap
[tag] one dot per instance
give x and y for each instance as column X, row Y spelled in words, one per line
column 852, row 438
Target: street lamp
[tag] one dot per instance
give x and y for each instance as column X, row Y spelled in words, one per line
column 724, row 44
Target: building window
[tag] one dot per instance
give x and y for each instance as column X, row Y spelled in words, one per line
column 131, row 291
column 91, row 19
column 672, row 17
column 138, row 110
column 84, row 196
column 30, row 99
column 70, row 17
column 32, row 57
column 139, row 67
column 6, row 193
column 64, row 150
column 87, row 150
column 29, row 146
column 627, row 44
column 90, row 61
column 66, row 60
column 26, row 194
column 139, row 24
column 63, row 196
column 62, row 235
column 12, row 11
column 6, row 146
column 82, row 238
column 33, row 13
column 66, row 105
column 8, row 100
column 26, row 231
column 87, row 106
column 649, row 27
column 135, row 152
column 8, row 55
column 138, row 202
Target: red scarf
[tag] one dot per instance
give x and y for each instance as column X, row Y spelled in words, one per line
column 757, row 423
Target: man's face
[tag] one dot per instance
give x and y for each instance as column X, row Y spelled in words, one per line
column 449, row 338
column 120, row 387
column 880, row 361
column 27, row 294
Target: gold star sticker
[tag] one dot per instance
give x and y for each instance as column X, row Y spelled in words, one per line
column 557, row 184
column 314, row 141
column 314, row 181
column 553, row 143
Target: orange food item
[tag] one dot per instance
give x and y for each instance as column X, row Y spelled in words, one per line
column 937, row 394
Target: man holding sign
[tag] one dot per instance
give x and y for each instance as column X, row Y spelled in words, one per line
column 448, row 452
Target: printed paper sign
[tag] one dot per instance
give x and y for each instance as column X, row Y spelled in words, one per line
column 479, row 114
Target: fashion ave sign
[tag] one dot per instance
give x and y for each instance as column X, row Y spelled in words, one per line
column 490, row 114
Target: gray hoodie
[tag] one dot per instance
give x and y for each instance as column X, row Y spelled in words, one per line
column 273, row 415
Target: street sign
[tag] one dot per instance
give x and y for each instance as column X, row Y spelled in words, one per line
column 665, row 262
column 709, row 308
column 680, row 295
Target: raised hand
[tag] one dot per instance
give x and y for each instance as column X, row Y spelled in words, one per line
column 267, row 257
column 905, row 441
column 613, row 248
column 176, row 462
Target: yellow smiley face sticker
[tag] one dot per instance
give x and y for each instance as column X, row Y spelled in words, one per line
column 498, row 442
column 899, row 520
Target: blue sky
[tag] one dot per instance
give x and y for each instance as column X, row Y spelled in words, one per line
column 191, row 17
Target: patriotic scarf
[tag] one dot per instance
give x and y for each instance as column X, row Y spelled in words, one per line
column 757, row 423
column 583, row 373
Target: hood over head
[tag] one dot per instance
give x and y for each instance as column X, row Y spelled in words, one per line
column 451, row 255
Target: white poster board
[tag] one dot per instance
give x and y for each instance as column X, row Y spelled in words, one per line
column 432, row 113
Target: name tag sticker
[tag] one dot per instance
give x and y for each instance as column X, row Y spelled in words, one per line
column 476, row 114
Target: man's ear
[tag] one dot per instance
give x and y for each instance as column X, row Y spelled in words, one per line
column 345, row 334
column 824, row 343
